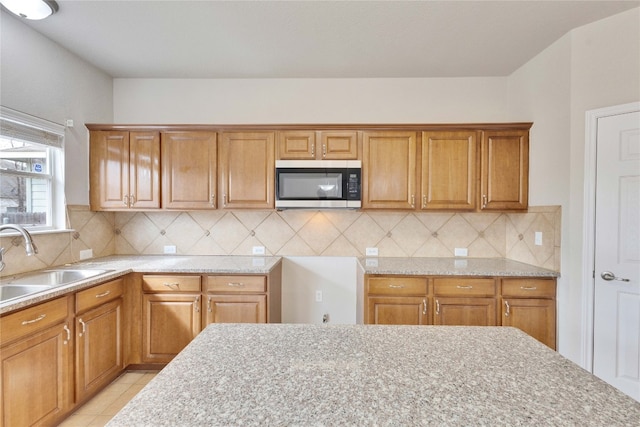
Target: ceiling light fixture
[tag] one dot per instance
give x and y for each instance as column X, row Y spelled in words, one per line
column 31, row 9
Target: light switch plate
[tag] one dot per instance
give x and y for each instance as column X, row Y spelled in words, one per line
column 538, row 238
column 170, row 249
column 258, row 250
column 460, row 251
column 371, row 252
column 87, row 253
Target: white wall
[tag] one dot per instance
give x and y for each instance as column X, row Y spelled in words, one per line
column 204, row 101
column 594, row 66
column 41, row 78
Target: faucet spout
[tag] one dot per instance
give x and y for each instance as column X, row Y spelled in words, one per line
column 29, row 246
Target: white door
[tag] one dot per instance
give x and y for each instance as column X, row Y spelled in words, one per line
column 616, row 353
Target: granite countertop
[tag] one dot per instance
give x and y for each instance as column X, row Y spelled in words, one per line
column 242, row 374
column 496, row 267
column 123, row 264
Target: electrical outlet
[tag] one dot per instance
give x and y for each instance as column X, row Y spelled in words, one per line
column 170, row 249
column 538, row 238
column 87, row 253
column 460, row 251
column 258, row 250
column 318, row 296
column 371, row 252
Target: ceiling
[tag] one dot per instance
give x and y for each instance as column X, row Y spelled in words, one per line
column 315, row 39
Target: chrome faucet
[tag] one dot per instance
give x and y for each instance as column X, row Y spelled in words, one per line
column 29, row 246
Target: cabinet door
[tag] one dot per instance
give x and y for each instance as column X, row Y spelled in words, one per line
column 109, row 170
column 388, row 170
column 397, row 311
column 338, row 145
column 98, row 348
column 144, row 170
column 536, row 317
column 247, row 168
column 36, row 377
column 449, row 172
column 505, row 170
column 236, row 309
column 297, row 145
column 189, row 170
column 465, row 311
column 170, row 322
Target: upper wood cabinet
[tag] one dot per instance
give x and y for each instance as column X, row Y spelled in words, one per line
column 124, row 170
column 247, row 169
column 317, row 145
column 505, row 170
column 449, row 170
column 189, row 170
column 389, row 170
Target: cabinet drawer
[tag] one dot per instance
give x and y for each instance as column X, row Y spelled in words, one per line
column 171, row 283
column 397, row 286
column 464, row 287
column 236, row 284
column 33, row 319
column 529, row 288
column 97, row 295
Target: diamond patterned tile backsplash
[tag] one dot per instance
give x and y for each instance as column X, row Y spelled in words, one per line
column 297, row 233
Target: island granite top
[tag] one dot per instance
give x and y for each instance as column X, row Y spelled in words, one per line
column 276, row 374
column 495, row 267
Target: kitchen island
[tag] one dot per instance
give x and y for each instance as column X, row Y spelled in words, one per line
column 277, row 374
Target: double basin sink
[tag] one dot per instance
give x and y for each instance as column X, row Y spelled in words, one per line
column 44, row 280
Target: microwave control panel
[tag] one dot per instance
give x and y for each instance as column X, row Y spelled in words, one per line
column 353, row 186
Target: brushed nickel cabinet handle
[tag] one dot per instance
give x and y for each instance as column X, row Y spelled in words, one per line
column 84, row 327
column 484, row 201
column 313, row 150
column 424, row 201
column 37, row 319
column 528, row 288
column 133, row 199
column 324, row 150
column 464, row 286
column 413, row 201
column 172, row 285
column 437, row 307
column 196, row 304
column 236, row 284
column 104, row 294
column 396, row 286
column 68, row 331
column 209, row 304
column 224, row 199
column 213, row 200
column 125, row 200
column 508, row 311
column 424, row 306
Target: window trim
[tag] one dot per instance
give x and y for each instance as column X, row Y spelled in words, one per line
column 52, row 136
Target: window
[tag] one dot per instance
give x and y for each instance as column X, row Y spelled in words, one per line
column 31, row 177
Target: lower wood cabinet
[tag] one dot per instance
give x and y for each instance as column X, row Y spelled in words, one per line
column 170, row 318
column 236, row 299
column 525, row 303
column 36, row 365
column 465, row 311
column 99, row 352
column 529, row 304
column 397, row 310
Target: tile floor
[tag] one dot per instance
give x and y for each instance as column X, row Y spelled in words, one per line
column 99, row 410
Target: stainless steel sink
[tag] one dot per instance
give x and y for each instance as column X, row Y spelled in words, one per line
column 43, row 280
column 9, row 292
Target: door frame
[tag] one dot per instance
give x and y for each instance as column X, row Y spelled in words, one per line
column 588, row 246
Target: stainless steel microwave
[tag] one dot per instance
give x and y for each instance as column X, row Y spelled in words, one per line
column 318, row 184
